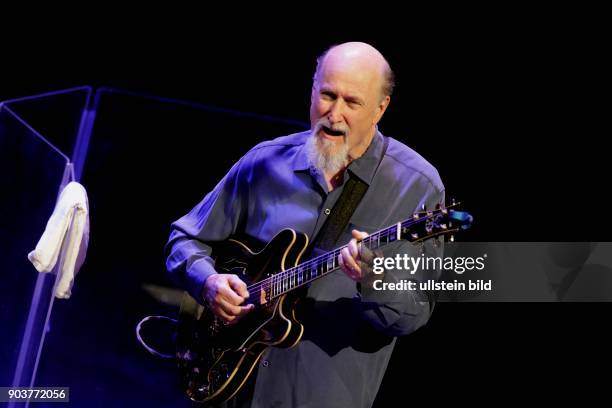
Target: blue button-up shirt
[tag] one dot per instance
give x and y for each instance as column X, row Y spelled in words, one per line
column 349, row 334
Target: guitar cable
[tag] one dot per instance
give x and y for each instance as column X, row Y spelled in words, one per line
column 144, row 344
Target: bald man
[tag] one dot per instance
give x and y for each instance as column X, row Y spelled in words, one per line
column 293, row 182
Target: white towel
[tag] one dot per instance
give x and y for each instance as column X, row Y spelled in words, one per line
column 72, row 203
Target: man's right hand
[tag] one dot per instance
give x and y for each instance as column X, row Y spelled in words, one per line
column 225, row 293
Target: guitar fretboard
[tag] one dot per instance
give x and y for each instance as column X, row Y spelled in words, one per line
column 292, row 278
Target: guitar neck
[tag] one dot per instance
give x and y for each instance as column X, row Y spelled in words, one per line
column 317, row 267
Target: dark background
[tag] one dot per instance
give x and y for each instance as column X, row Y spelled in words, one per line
column 509, row 111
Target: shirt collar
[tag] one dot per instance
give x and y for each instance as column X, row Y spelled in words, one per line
column 365, row 166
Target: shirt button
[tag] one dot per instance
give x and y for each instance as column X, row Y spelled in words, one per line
column 327, row 211
column 265, row 363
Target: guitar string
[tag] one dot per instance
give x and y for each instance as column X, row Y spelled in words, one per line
column 286, row 280
column 276, row 278
column 280, row 278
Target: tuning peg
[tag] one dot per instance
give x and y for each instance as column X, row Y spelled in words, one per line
column 453, row 202
column 423, row 208
column 452, row 238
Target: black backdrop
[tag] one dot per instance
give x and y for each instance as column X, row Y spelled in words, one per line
column 507, row 113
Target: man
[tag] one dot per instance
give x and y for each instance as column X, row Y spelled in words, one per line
column 294, row 182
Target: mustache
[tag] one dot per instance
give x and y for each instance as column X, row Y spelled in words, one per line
column 338, row 127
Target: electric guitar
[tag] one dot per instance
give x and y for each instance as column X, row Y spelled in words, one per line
column 215, row 359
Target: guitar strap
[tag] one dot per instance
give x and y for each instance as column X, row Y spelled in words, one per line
column 347, row 203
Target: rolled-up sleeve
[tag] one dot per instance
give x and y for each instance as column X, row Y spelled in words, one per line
column 214, row 219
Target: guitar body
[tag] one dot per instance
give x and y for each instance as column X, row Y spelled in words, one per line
column 215, row 359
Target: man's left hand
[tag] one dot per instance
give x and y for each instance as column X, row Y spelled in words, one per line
column 350, row 257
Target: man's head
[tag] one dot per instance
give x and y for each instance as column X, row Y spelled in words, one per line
column 350, row 93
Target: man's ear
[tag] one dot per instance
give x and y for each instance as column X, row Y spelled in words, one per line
column 380, row 110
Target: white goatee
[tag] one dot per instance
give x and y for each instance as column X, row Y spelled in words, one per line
column 325, row 155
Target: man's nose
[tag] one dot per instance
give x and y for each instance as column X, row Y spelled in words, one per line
column 335, row 113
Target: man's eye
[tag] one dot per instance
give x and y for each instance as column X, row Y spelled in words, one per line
column 327, row 96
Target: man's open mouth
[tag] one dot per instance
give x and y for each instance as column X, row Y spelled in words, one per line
column 332, row 132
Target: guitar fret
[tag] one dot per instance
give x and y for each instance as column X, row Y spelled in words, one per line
column 276, row 291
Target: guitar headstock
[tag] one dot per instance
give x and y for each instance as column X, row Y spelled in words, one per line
column 427, row 224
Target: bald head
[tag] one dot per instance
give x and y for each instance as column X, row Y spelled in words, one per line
column 362, row 57
column 350, row 93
